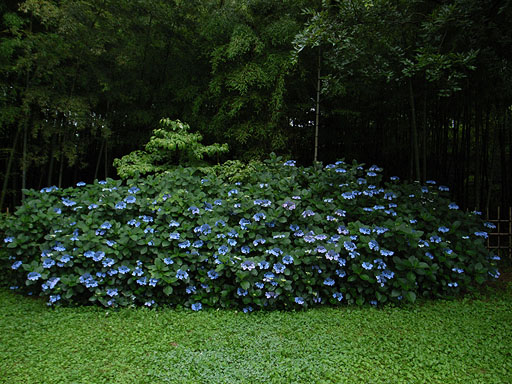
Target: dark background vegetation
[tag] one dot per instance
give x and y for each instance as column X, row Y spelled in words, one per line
column 421, row 88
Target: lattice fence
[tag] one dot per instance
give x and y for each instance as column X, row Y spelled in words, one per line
column 500, row 239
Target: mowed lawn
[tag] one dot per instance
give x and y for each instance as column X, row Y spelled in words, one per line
column 462, row 341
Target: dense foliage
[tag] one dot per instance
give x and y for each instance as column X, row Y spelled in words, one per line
column 284, row 237
column 170, row 145
column 420, row 87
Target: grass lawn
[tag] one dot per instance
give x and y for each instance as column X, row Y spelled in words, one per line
column 463, row 341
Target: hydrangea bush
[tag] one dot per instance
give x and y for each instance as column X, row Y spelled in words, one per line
column 285, row 237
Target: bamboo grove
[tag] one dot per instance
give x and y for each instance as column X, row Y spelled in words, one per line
column 421, row 88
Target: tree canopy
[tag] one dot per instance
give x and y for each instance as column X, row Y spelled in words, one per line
column 422, row 88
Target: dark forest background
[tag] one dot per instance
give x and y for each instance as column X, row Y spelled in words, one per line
column 421, row 88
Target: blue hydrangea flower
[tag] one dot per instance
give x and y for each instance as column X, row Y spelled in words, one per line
column 259, row 285
column 16, row 264
column 212, row 274
column 248, row 265
column 341, row 273
column 54, row 298
column 329, row 282
column 8, row 239
column 149, row 303
column 223, row 250
column 259, row 216
column 146, row 219
column 263, row 265
column 489, row 225
column 443, row 229
column 112, row 292
column 204, row 229
column 88, row 281
column 123, row 269
column 133, row 223
column 271, row 295
column 92, row 206
column 247, row 309
column 435, row 239
column 106, row 225
column 338, row 296
column 332, row 255
column 130, row 199
column 386, row 252
column 279, row 268
column 373, row 245
column 309, row 239
column 299, row 300
column 120, row 205
column 196, row 306
column 68, row 202
column 111, row 243
column 308, row 213
column 182, row 275
column 287, row 259
column 268, row 277
column 275, row 251
column 33, row 276
column 232, row 242
column 494, row 274
column 453, row 285
column 289, row 205
column 458, row 270
column 244, row 223
column 98, row 256
column 453, row 206
column 482, row 234
column 80, row 184
column 108, row 262
column 137, row 272
column 48, row 263
column 349, row 246
column 198, row 244
column 320, row 249
column 49, row 189
column 241, row 292
column 142, row 281
column 348, row 195
column 367, row 265
column 365, row 231
column 184, row 244
column 191, row 289
column 290, row 163
column 423, row 243
column 342, row 230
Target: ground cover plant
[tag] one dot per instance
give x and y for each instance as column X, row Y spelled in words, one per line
column 456, row 341
column 282, row 237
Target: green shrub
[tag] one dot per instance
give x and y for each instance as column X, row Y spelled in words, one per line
column 171, row 144
column 288, row 237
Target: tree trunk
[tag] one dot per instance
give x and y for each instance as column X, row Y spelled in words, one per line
column 414, row 133
column 99, row 160
column 424, row 137
column 317, row 112
column 8, row 168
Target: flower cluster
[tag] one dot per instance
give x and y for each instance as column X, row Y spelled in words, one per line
column 287, row 237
